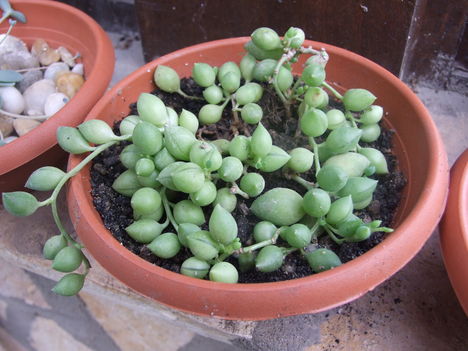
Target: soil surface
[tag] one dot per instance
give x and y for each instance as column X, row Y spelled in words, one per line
column 116, row 211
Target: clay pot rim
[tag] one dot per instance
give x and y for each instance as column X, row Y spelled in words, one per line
column 438, row 177
column 42, row 138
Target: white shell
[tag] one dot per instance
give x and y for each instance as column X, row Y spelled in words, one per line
column 78, row 68
column 55, row 68
column 23, row 126
column 54, row 103
column 12, row 100
column 36, row 95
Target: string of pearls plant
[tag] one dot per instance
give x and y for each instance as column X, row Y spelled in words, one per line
column 166, row 155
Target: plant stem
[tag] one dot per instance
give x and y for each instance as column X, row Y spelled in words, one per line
column 261, row 244
column 306, row 184
column 12, row 24
column 316, row 154
column 236, row 190
column 333, row 90
column 167, row 208
column 332, row 235
column 180, row 92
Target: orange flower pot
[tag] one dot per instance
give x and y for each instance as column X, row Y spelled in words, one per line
column 417, row 145
column 59, row 25
column 454, row 230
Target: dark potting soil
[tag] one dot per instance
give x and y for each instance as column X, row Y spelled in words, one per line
column 116, row 211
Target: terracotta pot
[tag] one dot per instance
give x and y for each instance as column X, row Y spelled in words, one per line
column 417, row 145
column 454, row 230
column 59, row 25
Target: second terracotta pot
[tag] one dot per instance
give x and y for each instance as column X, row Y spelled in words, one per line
column 417, row 145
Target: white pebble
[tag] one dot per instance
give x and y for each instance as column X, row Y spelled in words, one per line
column 54, row 68
column 9, row 139
column 12, row 100
column 36, row 95
column 54, row 103
column 23, row 126
column 78, row 68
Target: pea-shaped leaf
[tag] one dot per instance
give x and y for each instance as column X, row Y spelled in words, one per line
column 165, row 176
column 231, row 169
column 147, row 138
column 163, row 159
column 362, row 233
column 340, row 210
column 248, row 93
column 252, row 184
column 178, row 142
column 151, row 109
column 18, row 16
column 188, row 120
column 67, row 260
column 206, row 155
column 206, row 195
column 358, row 99
column 363, row 203
column 20, row 203
column 298, row 235
column 186, row 211
column 144, row 230
column 71, row 140
column 128, row 124
column 264, row 230
column 266, row 38
column 275, row 159
column 150, row 181
column 224, row 272
column 294, row 37
column 222, row 145
column 317, row 202
column 246, row 261
column 239, row 147
column 45, row 178
column 97, row 131
column 376, row 158
column 165, row 246
column 227, row 67
column 352, row 163
column 301, row 160
column 195, row 268
column 246, row 66
column 371, row 115
column 172, row 117
column 322, row 260
column 203, row 74
column 331, row 177
column 343, row 139
column 336, row 118
column 222, row 225
column 129, row 156
column 261, row 54
column 230, row 82
column 264, row 69
column 184, row 230
column 226, row 199
column 280, row 206
column 146, row 201
column 348, row 227
column 269, row 259
column 213, row 94
column 261, row 142
column 144, row 167
column 53, row 245
column 360, row 188
column 285, row 79
column 167, row 79
column 126, row 183
column 251, row 113
column 313, row 75
column 69, row 285
column 210, row 114
column 202, row 245
column 188, row 178
column 316, row 97
column 314, row 122
column 370, row 132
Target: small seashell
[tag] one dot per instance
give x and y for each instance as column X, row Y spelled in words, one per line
column 29, row 78
column 66, row 56
column 23, row 126
column 54, row 103
column 39, row 46
column 78, row 68
column 55, row 68
column 69, row 83
column 48, row 57
column 6, row 125
column 12, row 100
column 36, row 95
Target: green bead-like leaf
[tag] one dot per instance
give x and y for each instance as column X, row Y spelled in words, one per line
column 210, row 114
column 251, row 113
column 213, row 94
column 370, row 132
column 314, row 122
column 126, row 183
column 261, row 142
column 343, row 139
column 313, row 75
column 195, row 268
column 264, row 69
column 316, row 97
column 352, row 163
column 147, row 138
column 206, row 195
column 340, row 210
column 298, row 235
column 97, row 131
column 144, row 167
column 165, row 246
column 202, row 245
column 151, row 109
column 178, row 142
column 45, row 178
column 249, row 93
column 188, row 178
column 317, row 202
column 53, row 245
column 322, row 260
column 280, row 206
column 226, row 199
column 376, row 158
column 167, row 79
column 222, row 226
column 67, row 260
column 20, row 203
column 146, row 201
column 224, row 272
column 186, row 211
column 301, row 160
column 128, row 124
column 163, row 159
column 294, row 37
column 231, row 169
column 360, row 188
column 239, row 147
column 285, row 79
column 203, row 74
column 261, row 54
column 362, row 233
column 129, row 156
column 222, row 145
column 206, row 155
column 331, row 177
column 230, row 82
column 358, row 99
column 269, row 259
column 227, row 67
column 275, row 159
column 69, row 285
column 336, row 118
column 172, row 117
column 18, row 16
column 188, row 120
column 252, row 184
column 246, row 261
column 266, row 38
column 264, row 230
column 71, row 140
column 185, row 230
column 144, row 230
column 246, row 66
column 371, row 115
column 165, row 176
